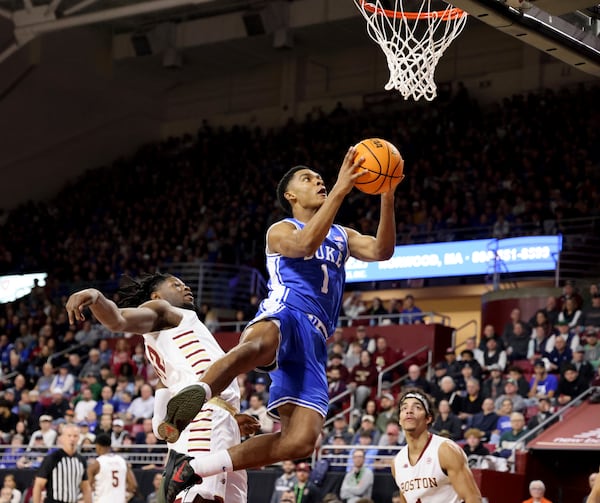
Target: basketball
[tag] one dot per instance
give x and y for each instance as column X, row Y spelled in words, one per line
column 383, row 163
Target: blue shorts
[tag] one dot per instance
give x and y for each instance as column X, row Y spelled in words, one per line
column 300, row 376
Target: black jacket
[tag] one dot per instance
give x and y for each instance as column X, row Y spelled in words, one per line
column 451, row 424
column 310, row 493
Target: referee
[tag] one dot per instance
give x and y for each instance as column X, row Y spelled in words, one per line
column 63, row 472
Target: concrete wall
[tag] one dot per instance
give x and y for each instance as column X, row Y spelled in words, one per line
column 63, row 112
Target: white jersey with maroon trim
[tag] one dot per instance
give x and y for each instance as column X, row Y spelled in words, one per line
column 425, row 482
column 181, row 355
column 110, row 483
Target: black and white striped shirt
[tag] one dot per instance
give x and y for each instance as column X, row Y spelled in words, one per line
column 63, row 474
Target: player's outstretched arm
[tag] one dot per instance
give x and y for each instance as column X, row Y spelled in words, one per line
column 151, row 316
column 454, row 462
column 380, row 247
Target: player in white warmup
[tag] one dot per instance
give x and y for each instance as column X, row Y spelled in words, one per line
column 109, row 474
column 180, row 348
column 430, row 468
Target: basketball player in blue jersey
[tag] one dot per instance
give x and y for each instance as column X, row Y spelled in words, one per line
column 305, row 258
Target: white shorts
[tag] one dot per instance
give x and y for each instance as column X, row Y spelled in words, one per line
column 213, row 429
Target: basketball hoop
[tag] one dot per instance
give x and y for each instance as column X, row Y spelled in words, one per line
column 413, row 41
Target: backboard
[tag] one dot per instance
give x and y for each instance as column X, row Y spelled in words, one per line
column 566, row 30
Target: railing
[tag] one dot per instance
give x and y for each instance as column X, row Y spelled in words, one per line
column 155, row 455
column 350, row 393
column 402, row 319
column 461, row 327
column 574, row 231
column 232, row 326
column 378, row 320
column 571, row 226
column 579, row 258
column 70, row 349
column 138, row 455
column 496, row 267
column 521, row 443
column 340, row 455
column 341, row 397
column 6, row 378
column 400, row 362
column 220, row 285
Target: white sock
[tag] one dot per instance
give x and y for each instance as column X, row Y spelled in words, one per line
column 213, row 464
column 207, row 390
column 161, row 399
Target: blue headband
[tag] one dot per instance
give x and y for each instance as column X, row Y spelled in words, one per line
column 420, row 398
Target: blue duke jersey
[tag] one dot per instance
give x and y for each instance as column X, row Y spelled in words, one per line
column 313, row 285
column 305, row 296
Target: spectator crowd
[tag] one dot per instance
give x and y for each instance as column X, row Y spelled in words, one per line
column 483, row 173
column 211, row 196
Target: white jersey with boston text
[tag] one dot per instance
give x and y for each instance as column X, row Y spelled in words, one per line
column 110, row 483
column 425, row 482
column 181, row 355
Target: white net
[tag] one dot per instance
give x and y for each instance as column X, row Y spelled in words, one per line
column 413, row 41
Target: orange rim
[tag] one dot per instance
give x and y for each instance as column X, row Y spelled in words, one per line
column 444, row 15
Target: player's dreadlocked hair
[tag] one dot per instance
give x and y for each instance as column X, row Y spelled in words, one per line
column 282, row 188
column 134, row 292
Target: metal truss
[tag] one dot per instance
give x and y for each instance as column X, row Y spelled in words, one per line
column 31, row 20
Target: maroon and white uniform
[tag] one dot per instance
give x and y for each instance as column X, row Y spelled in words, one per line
column 425, row 481
column 180, row 356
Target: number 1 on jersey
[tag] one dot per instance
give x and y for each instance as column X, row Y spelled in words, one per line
column 325, row 285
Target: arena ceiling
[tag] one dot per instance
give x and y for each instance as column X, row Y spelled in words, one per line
column 30, row 18
column 128, row 18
